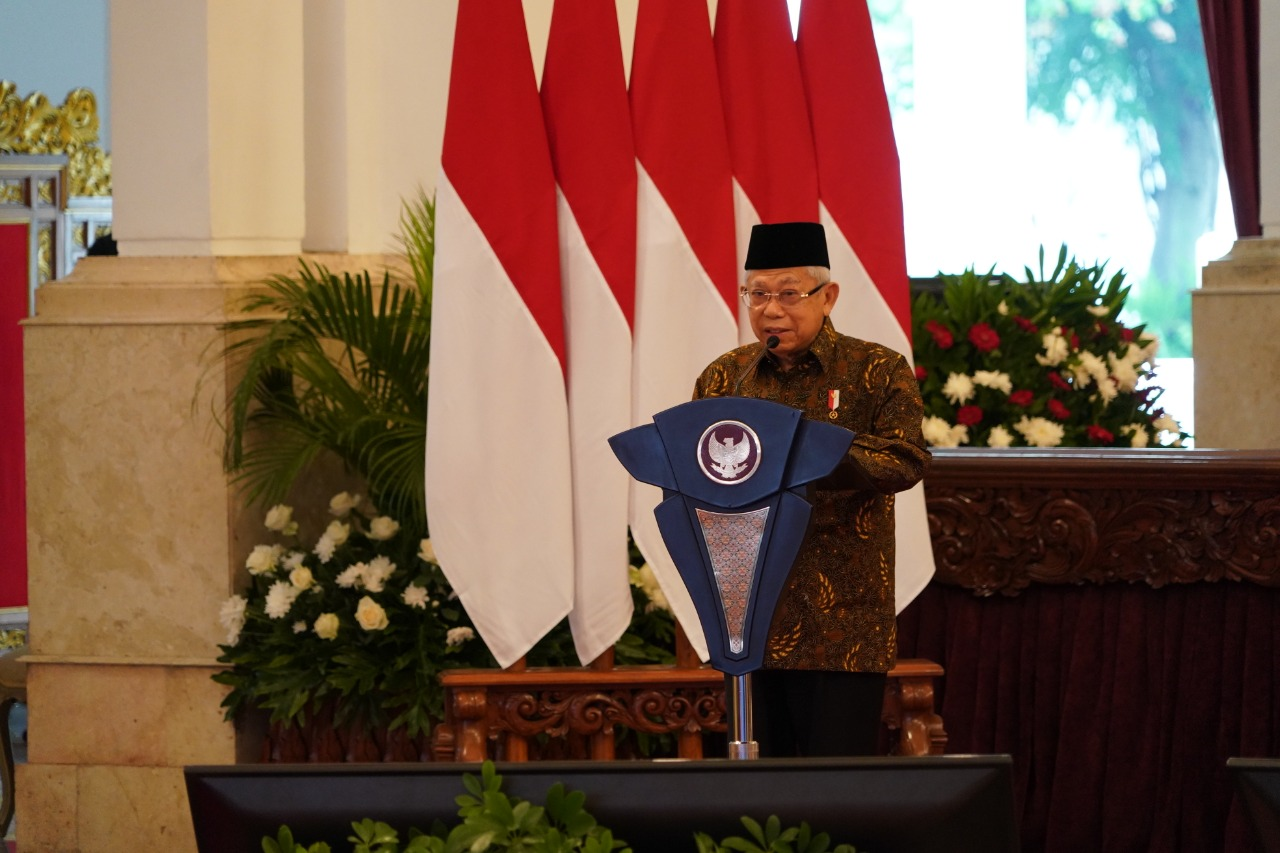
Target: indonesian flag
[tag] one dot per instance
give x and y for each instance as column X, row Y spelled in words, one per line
column 860, row 188
column 775, row 174
column 584, row 101
column 497, row 475
column 686, row 281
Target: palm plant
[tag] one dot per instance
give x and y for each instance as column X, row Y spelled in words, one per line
column 336, row 364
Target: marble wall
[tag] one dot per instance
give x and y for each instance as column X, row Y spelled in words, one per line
column 1235, row 315
column 135, row 539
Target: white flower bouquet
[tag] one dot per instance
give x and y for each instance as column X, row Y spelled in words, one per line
column 358, row 618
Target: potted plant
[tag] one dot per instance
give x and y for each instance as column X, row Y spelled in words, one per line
column 345, row 621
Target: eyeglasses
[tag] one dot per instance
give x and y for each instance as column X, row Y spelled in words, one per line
column 786, row 298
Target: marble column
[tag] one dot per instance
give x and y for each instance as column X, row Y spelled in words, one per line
column 1234, row 314
column 237, row 146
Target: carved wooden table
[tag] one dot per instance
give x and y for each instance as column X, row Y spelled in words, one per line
column 495, row 713
column 1001, row 520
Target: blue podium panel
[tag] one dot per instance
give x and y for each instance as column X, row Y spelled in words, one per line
column 732, row 515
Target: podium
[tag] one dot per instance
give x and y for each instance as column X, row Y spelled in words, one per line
column 735, row 474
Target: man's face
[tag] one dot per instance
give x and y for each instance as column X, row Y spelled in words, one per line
column 797, row 325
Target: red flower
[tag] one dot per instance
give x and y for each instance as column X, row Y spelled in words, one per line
column 1021, row 398
column 983, row 337
column 1058, row 410
column 921, row 373
column 941, row 334
column 1056, row 380
column 1126, row 334
column 1071, row 336
column 969, row 415
column 1025, row 324
column 1097, row 433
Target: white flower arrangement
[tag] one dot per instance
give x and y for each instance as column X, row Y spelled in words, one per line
column 360, row 618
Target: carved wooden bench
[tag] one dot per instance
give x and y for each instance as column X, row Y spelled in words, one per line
column 493, row 713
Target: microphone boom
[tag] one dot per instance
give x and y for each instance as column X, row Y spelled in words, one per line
column 770, row 343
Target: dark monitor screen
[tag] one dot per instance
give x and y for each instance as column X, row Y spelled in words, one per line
column 886, row 805
column 1258, row 784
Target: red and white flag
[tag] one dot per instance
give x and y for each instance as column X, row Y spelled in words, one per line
column 860, row 187
column 686, row 280
column 584, row 101
column 775, row 174
column 499, row 496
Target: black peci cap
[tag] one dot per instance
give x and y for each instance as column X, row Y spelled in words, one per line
column 787, row 244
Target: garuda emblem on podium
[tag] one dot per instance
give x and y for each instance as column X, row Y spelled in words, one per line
column 729, row 452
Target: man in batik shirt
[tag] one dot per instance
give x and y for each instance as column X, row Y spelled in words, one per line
column 833, row 637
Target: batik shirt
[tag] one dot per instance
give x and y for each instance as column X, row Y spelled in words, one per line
column 837, row 609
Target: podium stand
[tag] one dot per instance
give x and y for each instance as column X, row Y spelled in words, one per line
column 734, row 472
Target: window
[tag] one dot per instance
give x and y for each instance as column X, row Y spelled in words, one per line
column 1028, row 123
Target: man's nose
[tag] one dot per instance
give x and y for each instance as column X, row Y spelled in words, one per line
column 773, row 308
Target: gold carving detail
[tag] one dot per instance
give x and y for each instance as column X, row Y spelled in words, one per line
column 44, row 253
column 33, row 125
column 11, row 192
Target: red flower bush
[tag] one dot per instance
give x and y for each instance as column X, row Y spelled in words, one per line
column 1099, row 434
column 1056, row 380
column 941, row 335
column 1022, row 398
column 983, row 337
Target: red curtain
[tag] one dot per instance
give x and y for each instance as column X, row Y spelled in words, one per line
column 13, row 514
column 1120, row 704
column 1231, row 44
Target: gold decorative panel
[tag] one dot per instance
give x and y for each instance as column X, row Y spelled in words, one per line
column 33, row 125
column 11, row 192
column 13, row 638
column 44, row 253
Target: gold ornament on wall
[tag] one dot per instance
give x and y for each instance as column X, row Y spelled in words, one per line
column 33, row 125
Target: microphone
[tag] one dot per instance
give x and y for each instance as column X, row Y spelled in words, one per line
column 770, row 343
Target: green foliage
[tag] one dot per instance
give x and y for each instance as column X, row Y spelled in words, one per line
column 284, row 843
column 1132, row 54
column 772, row 838
column 491, row 820
column 334, row 364
column 1044, row 362
column 1144, row 60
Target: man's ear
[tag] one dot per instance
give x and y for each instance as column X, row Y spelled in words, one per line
column 830, row 293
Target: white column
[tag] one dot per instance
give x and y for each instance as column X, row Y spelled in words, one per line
column 208, row 143
column 1269, row 118
column 377, row 81
column 1237, row 353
